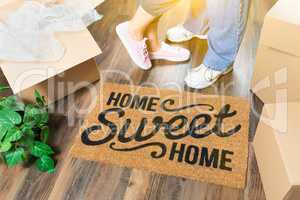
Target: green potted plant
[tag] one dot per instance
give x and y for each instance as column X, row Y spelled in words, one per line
column 24, row 133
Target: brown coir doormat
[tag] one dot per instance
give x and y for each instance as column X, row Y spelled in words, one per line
column 180, row 134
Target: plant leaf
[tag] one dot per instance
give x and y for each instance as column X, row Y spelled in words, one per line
column 11, row 103
column 45, row 164
column 44, row 134
column 27, row 130
column 5, row 146
column 35, row 116
column 9, row 117
column 13, row 134
column 40, row 149
column 14, row 157
column 3, row 130
column 3, row 88
column 39, row 98
column 27, row 141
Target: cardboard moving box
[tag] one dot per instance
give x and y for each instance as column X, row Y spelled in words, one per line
column 277, row 148
column 277, row 68
column 54, row 80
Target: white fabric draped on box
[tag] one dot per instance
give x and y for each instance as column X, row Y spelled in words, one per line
column 27, row 35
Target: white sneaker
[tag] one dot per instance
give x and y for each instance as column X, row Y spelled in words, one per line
column 137, row 50
column 202, row 77
column 180, row 34
column 171, row 53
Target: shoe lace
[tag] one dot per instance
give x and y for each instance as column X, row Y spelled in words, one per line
column 208, row 74
column 145, row 51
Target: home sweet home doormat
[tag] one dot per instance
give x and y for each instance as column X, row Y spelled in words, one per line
column 179, row 134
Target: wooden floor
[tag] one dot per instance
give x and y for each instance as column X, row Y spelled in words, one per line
column 79, row 179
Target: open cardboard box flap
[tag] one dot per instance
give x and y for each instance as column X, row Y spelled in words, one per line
column 281, row 28
column 80, row 47
column 54, row 80
column 277, row 147
column 285, row 124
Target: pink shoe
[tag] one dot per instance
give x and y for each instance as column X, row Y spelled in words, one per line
column 137, row 50
column 171, row 53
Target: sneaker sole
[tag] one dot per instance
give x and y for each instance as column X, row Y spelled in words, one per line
column 173, row 59
column 119, row 33
column 201, row 37
column 217, row 78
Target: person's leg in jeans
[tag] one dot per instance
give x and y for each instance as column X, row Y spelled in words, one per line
column 227, row 20
column 144, row 24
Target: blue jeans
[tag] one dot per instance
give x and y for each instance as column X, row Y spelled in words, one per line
column 226, row 21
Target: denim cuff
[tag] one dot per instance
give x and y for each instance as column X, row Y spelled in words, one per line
column 215, row 62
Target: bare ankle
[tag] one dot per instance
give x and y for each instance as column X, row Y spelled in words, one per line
column 153, row 46
column 135, row 33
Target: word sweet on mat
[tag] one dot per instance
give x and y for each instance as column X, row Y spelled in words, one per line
column 180, row 134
